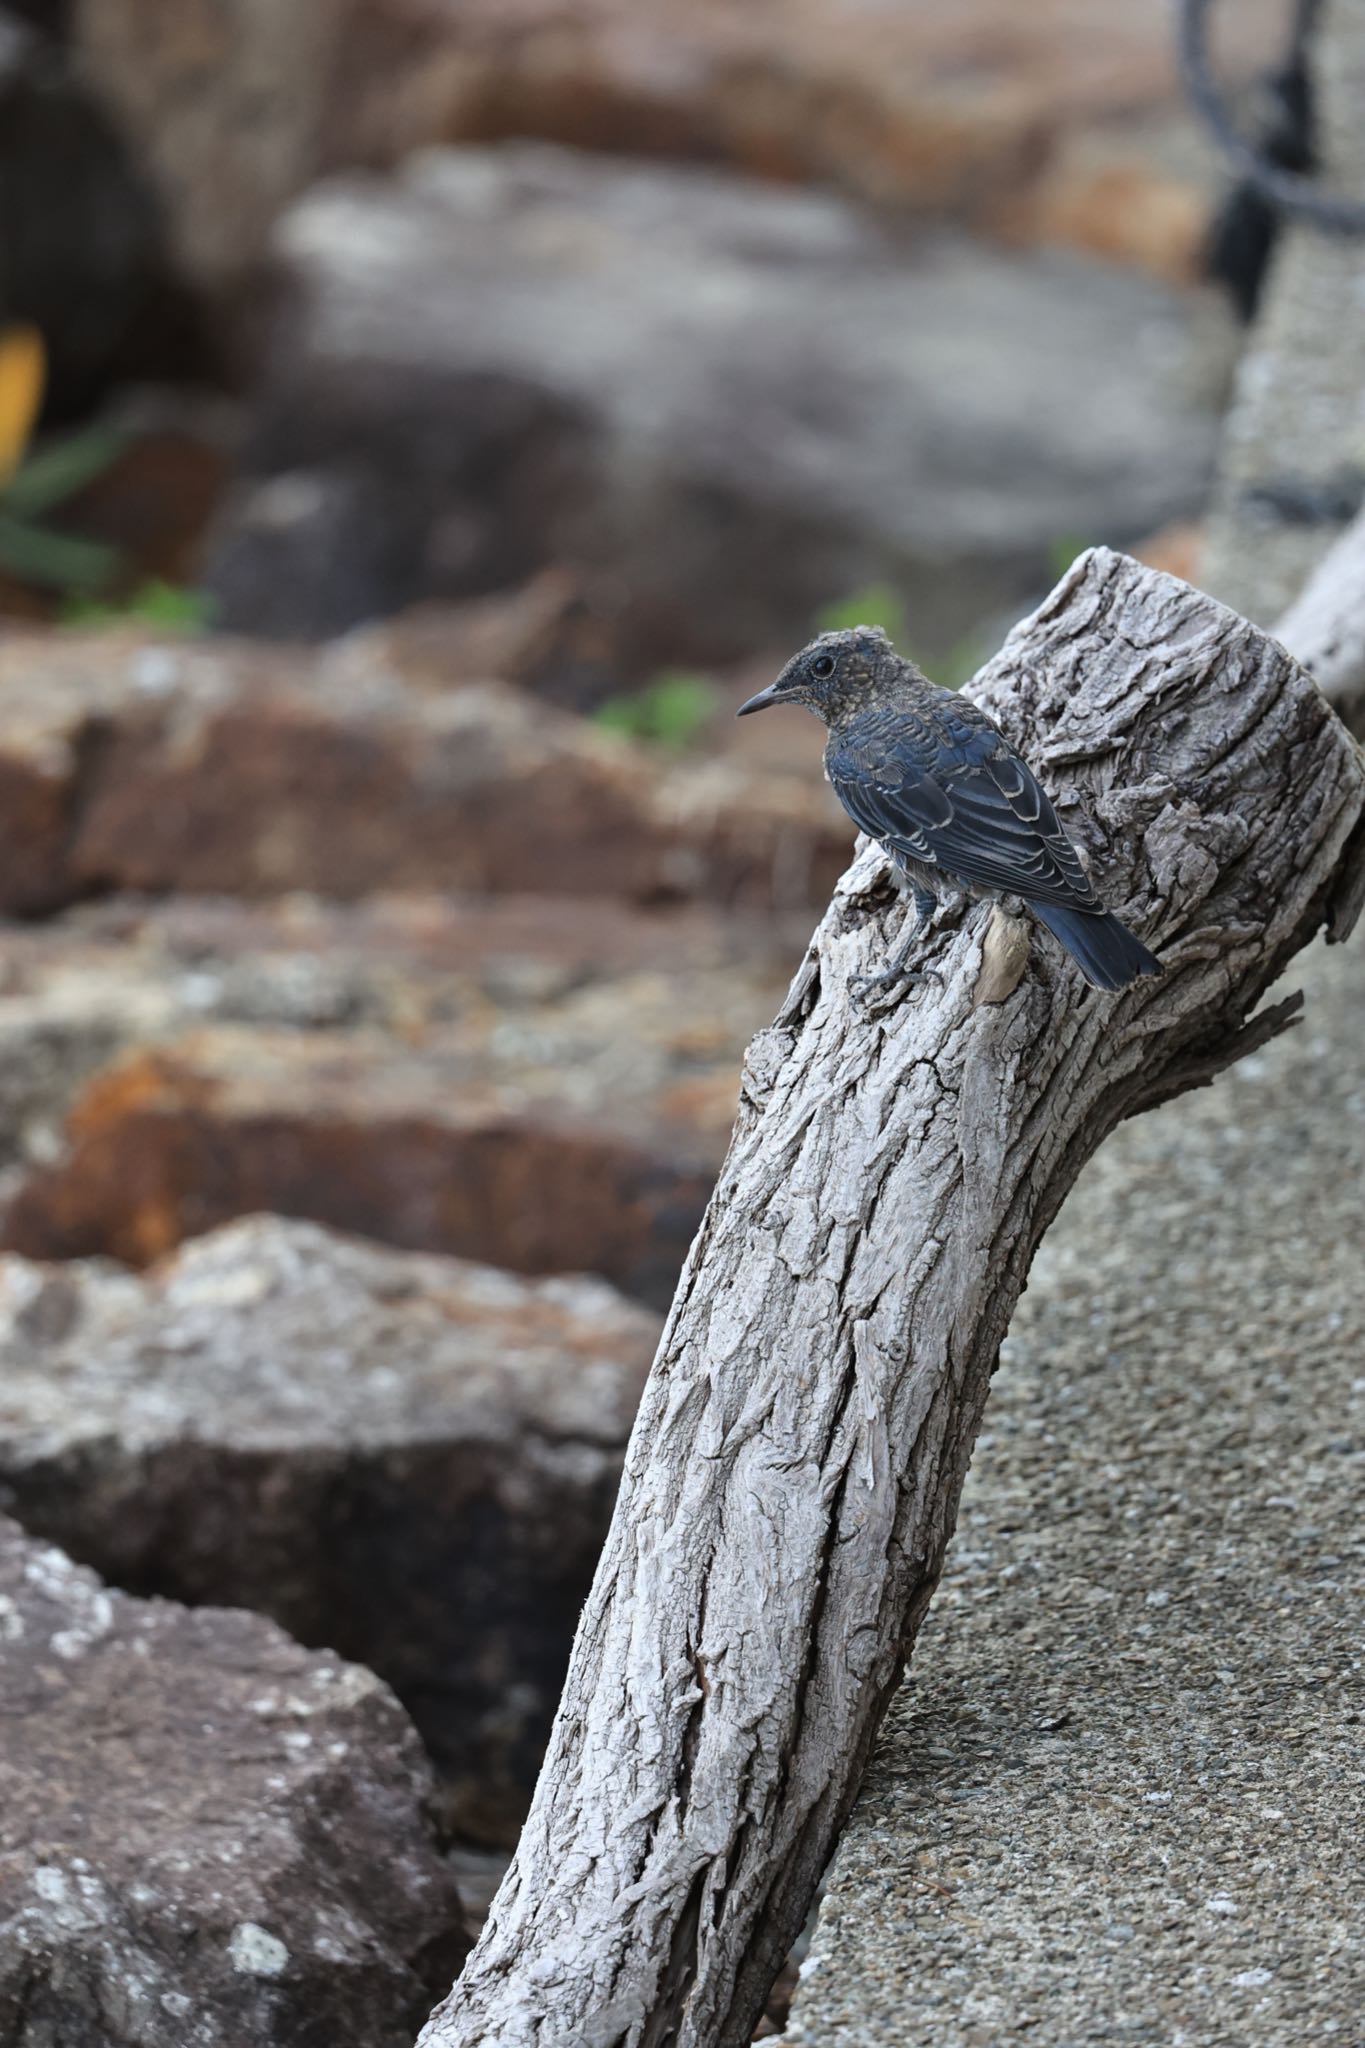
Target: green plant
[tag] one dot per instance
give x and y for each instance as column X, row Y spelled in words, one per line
column 957, row 664
column 155, row 603
column 1063, row 551
column 671, row 710
column 34, row 486
column 876, row 604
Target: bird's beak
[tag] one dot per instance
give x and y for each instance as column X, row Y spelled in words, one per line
column 760, row 702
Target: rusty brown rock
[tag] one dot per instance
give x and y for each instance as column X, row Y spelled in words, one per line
column 417, row 1152
column 492, row 1078
column 1178, row 550
column 410, row 1459
column 944, row 110
column 562, row 636
column 49, row 711
column 221, row 767
column 208, row 1835
column 33, row 792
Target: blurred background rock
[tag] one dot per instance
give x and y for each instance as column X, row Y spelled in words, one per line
column 421, row 422
column 702, row 307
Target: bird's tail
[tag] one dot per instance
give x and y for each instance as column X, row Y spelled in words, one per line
column 1105, row 951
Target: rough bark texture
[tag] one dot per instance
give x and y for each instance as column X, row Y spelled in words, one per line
column 795, row 1470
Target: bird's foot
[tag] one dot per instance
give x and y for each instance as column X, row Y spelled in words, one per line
column 891, row 981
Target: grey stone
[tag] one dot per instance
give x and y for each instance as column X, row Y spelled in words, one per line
column 1121, row 1796
column 409, row 1459
column 745, row 400
column 208, row 1836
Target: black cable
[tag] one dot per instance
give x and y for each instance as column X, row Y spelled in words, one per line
column 1287, row 191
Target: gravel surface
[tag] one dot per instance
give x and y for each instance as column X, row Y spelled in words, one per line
column 1122, row 1797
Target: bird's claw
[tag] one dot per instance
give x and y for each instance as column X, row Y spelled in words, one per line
column 864, row 987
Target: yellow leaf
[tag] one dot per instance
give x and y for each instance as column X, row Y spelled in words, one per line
column 23, row 370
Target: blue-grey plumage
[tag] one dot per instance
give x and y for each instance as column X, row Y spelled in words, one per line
column 935, row 780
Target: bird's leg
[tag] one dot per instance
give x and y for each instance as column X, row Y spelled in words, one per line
column 895, row 970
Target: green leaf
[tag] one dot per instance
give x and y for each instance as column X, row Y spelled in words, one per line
column 1063, row 551
column 957, row 664
column 62, row 469
column 55, row 561
column 876, row 604
column 670, row 710
column 155, row 603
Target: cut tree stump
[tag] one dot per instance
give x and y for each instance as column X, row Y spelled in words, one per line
column 795, row 1469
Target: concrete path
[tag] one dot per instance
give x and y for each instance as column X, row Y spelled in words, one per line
column 1122, row 1797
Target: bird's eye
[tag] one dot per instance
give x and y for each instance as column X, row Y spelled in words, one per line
column 822, row 666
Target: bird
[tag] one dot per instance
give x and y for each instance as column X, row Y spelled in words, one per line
column 932, row 777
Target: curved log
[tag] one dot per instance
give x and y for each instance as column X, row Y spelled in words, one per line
column 795, row 1470
column 1324, row 628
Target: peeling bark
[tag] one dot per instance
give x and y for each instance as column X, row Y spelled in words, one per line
column 796, row 1466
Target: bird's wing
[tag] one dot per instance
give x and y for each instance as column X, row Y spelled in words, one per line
column 952, row 792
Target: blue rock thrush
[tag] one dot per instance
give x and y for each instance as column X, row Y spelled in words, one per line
column 929, row 775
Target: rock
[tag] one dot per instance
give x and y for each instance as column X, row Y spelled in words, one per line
column 421, row 1152
column 208, row 1835
column 412, row 1460
column 1134, row 193
column 228, row 106
column 1176, row 550
column 515, row 357
column 1119, row 1797
column 497, row 1080
column 129, row 762
column 33, row 791
column 560, row 636
column 941, row 110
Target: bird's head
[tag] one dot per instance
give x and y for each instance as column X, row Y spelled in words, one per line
column 834, row 675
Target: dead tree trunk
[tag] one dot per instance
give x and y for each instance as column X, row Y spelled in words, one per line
column 794, row 1474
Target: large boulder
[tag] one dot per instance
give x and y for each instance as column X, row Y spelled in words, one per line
column 497, row 1079
column 418, row 1150
column 217, row 766
column 1058, row 118
column 743, row 400
column 411, row 1460
column 208, row 1835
